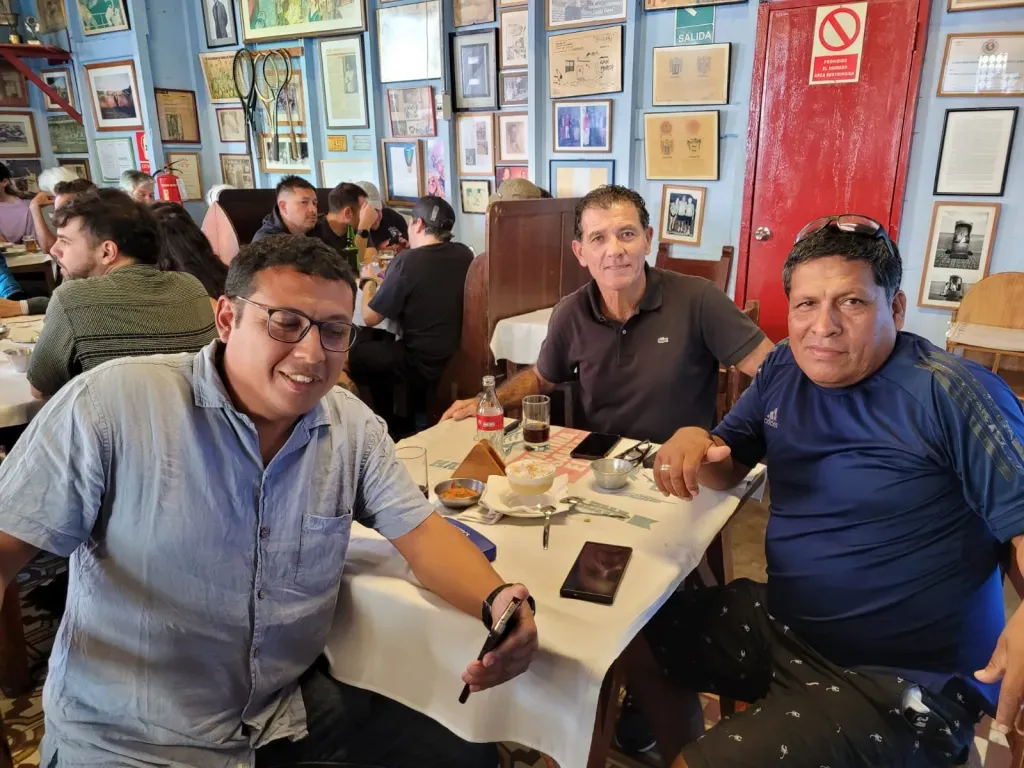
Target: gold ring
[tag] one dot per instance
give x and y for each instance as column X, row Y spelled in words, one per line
column 664, row 467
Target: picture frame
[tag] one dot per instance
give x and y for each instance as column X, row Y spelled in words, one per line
column 61, row 81
column 662, row 5
column 470, row 12
column 218, row 75
column 512, row 3
column 337, row 142
column 952, row 6
column 25, row 174
column 334, row 171
column 100, row 16
column 343, row 69
column 67, row 135
column 563, row 14
column 231, row 124
column 435, row 166
column 51, row 16
column 219, row 23
column 414, row 29
column 474, row 194
column 403, row 171
column 514, row 88
column 474, row 70
column 177, row 115
column 575, row 178
column 237, row 171
column 286, row 162
column 187, row 168
column 114, row 96
column 976, row 143
column 503, row 173
column 80, row 166
column 514, row 38
column 691, row 75
column 116, row 155
column 474, row 133
column 291, row 104
column 18, row 136
column 966, row 70
column 682, row 145
column 585, row 63
column 582, row 126
column 13, row 88
column 513, row 138
column 411, row 112
column 682, row 214
column 275, row 22
column 959, row 251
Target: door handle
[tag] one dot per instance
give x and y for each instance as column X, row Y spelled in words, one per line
column 762, row 233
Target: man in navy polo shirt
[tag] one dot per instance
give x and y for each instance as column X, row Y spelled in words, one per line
column 897, row 476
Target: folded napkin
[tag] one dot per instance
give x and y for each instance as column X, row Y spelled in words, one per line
column 498, row 499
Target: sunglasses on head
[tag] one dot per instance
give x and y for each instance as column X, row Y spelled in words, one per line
column 853, row 223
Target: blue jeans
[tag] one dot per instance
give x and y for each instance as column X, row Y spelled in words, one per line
column 10, row 288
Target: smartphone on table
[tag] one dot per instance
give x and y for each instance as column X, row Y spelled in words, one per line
column 595, row 446
column 495, row 637
column 597, row 573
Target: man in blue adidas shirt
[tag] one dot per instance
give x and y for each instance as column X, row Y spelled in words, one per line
column 897, row 476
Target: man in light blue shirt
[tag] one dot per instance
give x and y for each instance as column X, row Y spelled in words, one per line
column 206, row 503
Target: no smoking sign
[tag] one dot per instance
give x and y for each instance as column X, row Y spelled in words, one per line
column 838, row 43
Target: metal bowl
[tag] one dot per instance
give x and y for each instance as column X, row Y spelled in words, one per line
column 611, row 474
column 5, row 331
column 19, row 358
column 460, row 482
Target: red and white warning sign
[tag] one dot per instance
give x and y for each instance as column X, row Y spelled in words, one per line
column 838, row 43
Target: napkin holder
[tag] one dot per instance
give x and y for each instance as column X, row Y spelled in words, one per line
column 481, row 462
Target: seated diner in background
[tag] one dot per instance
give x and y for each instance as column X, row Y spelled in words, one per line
column 897, row 483
column 63, row 192
column 180, row 652
column 296, row 213
column 349, row 215
column 184, row 248
column 139, row 186
column 389, row 231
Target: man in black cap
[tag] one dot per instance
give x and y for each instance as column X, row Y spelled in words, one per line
column 422, row 292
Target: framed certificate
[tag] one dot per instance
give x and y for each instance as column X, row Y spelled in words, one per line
column 983, row 64
column 978, row 5
column 690, row 75
column 681, row 145
column 975, row 151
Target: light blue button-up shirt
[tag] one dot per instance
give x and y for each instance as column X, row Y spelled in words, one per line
column 202, row 583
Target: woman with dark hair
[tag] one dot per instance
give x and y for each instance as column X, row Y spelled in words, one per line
column 186, row 249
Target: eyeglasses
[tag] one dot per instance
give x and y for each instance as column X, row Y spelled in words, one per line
column 291, row 327
column 849, row 222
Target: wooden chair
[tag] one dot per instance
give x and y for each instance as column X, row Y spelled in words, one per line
column 715, row 271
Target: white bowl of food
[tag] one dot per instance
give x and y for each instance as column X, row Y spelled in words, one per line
column 530, row 477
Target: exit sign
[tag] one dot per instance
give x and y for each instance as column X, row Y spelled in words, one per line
column 696, row 25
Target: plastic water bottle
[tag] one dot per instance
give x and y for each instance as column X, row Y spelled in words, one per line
column 490, row 418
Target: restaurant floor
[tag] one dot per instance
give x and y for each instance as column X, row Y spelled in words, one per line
column 24, row 716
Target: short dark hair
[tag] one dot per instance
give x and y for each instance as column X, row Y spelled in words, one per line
column 605, row 197
column 887, row 267
column 344, row 196
column 5, row 172
column 110, row 214
column 184, row 248
column 290, row 184
column 74, row 187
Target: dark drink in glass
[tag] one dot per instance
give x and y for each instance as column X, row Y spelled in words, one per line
column 536, row 434
column 537, row 421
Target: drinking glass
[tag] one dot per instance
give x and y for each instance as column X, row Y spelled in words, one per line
column 537, row 421
column 414, row 458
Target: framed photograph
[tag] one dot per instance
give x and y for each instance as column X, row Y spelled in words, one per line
column 263, row 21
column 682, row 214
column 959, row 251
column 289, row 159
column 60, row 81
column 333, row 172
column 18, row 135
column 563, row 14
column 403, row 171
column 983, row 64
column 116, row 157
column 475, row 71
column 513, row 138
column 13, row 89
column 585, row 63
column 25, row 174
column 79, row 165
column 114, row 94
column 474, row 194
column 67, row 135
column 291, row 104
column 342, row 68
column 515, row 88
column 99, row 16
column 475, row 143
column 219, row 77
column 575, row 178
column 514, row 34
column 237, row 171
column 691, row 75
column 415, row 30
column 505, row 172
column 177, row 114
column 219, row 20
column 978, row 5
column 974, row 154
column 661, row 5
column 435, row 165
column 469, row 12
column 582, row 126
column 186, row 168
column 51, row 16
column 231, row 124
column 412, row 112
column 681, row 145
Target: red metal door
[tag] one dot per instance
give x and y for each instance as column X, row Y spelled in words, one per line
column 815, row 150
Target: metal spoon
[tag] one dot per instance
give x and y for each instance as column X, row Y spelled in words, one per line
column 546, row 510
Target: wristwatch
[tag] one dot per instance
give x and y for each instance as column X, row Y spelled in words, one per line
column 485, row 614
column 364, row 281
column 363, row 233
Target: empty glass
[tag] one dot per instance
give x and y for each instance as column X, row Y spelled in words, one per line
column 537, row 421
column 414, row 457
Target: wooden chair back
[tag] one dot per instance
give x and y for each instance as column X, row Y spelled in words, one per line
column 995, row 300
column 732, row 381
column 715, row 271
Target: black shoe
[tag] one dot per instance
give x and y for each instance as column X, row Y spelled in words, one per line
column 633, row 735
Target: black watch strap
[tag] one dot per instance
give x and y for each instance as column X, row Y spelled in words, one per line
column 364, row 281
column 363, row 233
column 486, row 615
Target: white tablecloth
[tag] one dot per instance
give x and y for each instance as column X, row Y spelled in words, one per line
column 393, row 637
column 17, row 406
column 518, row 339
column 357, row 318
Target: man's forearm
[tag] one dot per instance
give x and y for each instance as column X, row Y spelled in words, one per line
column 523, row 384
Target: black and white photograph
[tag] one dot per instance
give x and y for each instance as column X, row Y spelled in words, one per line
column 974, row 156
column 515, row 88
column 563, row 14
column 682, row 214
column 219, row 18
column 475, row 70
column 959, row 251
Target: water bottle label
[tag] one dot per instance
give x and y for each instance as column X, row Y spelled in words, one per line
column 490, row 423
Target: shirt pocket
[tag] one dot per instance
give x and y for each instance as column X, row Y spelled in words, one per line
column 322, row 548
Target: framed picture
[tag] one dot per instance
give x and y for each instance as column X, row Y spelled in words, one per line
column 983, row 64
column 415, row 30
column 575, row 178
column 67, row 135
column 513, row 138
column 51, row 16
column 978, row 5
column 505, row 172
column 582, row 126
column 116, row 157
column 974, row 155
column 342, row 68
column 691, row 75
column 585, row 63
column 475, row 80
column 333, row 172
column 186, row 167
column 18, row 135
column 959, row 251
column 474, row 194
column 661, row 5
column 237, row 171
column 563, row 14
column 231, row 124
column 475, row 143
column 219, row 76
column 291, row 104
column 60, row 81
column 13, row 89
column 219, row 20
column 99, row 16
column 514, row 31
column 289, row 159
column 682, row 214
column 177, row 114
column 403, row 171
column 79, row 165
column 681, row 145
column 412, row 112
column 435, row 165
column 515, row 88
column 468, row 12
column 337, row 142
column 114, row 94
column 288, row 21
column 25, row 174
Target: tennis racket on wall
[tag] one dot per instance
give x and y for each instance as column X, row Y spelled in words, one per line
column 277, row 72
column 244, row 72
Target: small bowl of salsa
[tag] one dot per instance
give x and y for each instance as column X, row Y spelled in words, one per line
column 459, row 492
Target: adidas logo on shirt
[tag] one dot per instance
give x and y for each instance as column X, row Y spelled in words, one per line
column 772, row 419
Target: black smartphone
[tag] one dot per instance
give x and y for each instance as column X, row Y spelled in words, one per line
column 494, row 637
column 597, row 573
column 596, row 445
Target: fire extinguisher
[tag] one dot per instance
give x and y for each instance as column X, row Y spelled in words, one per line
column 169, row 186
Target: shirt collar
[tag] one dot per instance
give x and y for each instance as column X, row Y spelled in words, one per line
column 651, row 300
